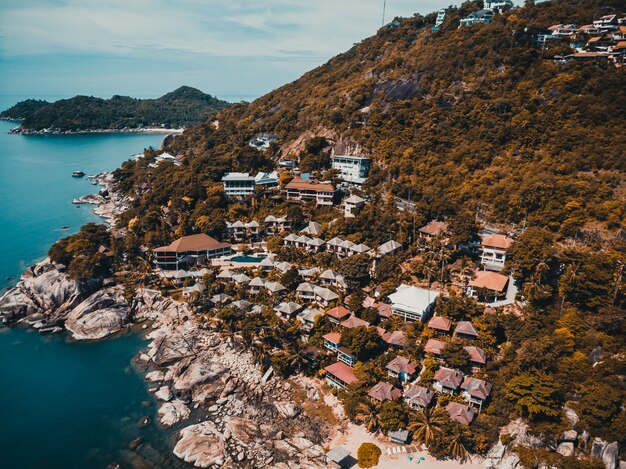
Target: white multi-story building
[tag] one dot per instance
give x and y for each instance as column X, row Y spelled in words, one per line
column 238, row 184
column 413, row 303
column 493, row 251
column 353, row 169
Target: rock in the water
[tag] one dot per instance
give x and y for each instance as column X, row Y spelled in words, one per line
column 136, row 443
column 200, row 445
column 173, row 412
column 163, row 394
column 155, row 376
column 102, row 314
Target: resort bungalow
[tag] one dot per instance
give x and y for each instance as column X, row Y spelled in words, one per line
column 412, row 303
column 402, row 368
column 305, row 291
column 306, row 190
column 440, row 324
column 491, row 283
column 189, row 250
column 352, row 205
column 291, row 240
column 399, row 436
column 353, row 322
column 266, row 180
column 382, row 392
column 338, row 314
column 324, row 296
column 312, row 229
column 434, row 229
column 332, row 279
column 315, row 245
column 340, row 375
column 266, row 265
column 395, row 338
column 274, row 287
column 238, row 184
column 332, row 341
column 256, row 285
column 493, row 251
column 434, row 347
column 478, row 357
column 465, row 330
column 307, row 318
column 194, row 290
column 460, row 413
column 447, row 380
column 287, row 309
column 476, row 391
column 275, row 225
column 388, row 248
column 334, row 245
column 418, row 397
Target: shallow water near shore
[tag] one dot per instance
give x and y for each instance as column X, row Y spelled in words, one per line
column 64, row 404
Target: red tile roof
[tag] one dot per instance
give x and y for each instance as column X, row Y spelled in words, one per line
column 497, row 241
column 460, row 412
column 434, row 346
column 449, row 378
column 384, row 392
column 397, row 338
column 434, row 228
column 334, row 337
column 402, row 365
column 300, row 184
column 490, row 280
column 477, row 387
column 420, row 395
column 477, row 355
column 198, row 242
column 342, row 371
column 338, row 312
column 353, row 322
column 466, row 328
column 440, row 323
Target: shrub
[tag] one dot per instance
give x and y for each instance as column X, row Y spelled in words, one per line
column 368, row 455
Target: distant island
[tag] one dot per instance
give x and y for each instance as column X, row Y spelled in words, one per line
column 183, row 107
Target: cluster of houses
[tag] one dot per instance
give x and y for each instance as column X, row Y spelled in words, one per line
column 485, row 15
column 418, row 395
column 351, row 169
column 604, row 39
column 342, row 248
column 240, row 231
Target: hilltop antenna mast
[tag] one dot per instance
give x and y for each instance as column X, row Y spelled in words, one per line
column 384, row 8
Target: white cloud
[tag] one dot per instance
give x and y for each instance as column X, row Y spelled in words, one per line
column 281, row 29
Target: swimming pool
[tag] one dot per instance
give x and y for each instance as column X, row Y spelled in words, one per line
column 246, row 259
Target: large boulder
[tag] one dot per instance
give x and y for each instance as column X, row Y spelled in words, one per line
column 102, row 314
column 566, row 448
column 43, row 290
column 201, row 445
column 610, row 456
column 173, row 412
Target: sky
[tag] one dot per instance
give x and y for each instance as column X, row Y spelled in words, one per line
column 233, row 49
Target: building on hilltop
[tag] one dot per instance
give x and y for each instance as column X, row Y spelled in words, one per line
column 306, row 190
column 238, row 184
column 493, row 251
column 189, row 250
column 483, row 16
column 352, row 169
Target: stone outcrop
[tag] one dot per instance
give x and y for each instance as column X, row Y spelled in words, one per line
column 173, row 412
column 201, row 445
column 102, row 314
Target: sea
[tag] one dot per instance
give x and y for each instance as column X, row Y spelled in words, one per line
column 65, row 404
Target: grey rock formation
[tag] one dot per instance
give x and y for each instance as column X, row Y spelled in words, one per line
column 566, row 448
column 610, row 456
column 102, row 314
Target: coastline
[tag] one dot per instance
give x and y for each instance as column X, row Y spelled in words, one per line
column 143, row 130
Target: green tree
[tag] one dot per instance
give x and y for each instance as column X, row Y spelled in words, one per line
column 536, row 395
column 365, row 342
column 456, row 356
column 427, row 424
column 393, row 416
column 368, row 455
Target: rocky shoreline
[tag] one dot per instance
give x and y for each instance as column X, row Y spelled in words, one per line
column 240, row 417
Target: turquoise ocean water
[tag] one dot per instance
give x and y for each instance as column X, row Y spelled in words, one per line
column 63, row 405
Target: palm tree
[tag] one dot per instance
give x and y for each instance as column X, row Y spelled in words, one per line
column 427, row 424
column 532, row 287
column 541, row 268
column 457, row 449
column 369, row 415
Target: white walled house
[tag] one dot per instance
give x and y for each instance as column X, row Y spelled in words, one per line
column 413, row 303
column 493, row 251
column 352, row 169
column 238, row 184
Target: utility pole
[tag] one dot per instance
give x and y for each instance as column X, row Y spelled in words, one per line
column 384, row 8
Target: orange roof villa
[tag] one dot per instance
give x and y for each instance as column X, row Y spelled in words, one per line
column 189, row 250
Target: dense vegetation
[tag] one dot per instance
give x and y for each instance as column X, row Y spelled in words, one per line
column 181, row 108
column 473, row 121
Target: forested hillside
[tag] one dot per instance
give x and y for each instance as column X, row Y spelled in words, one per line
column 183, row 107
column 458, row 118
